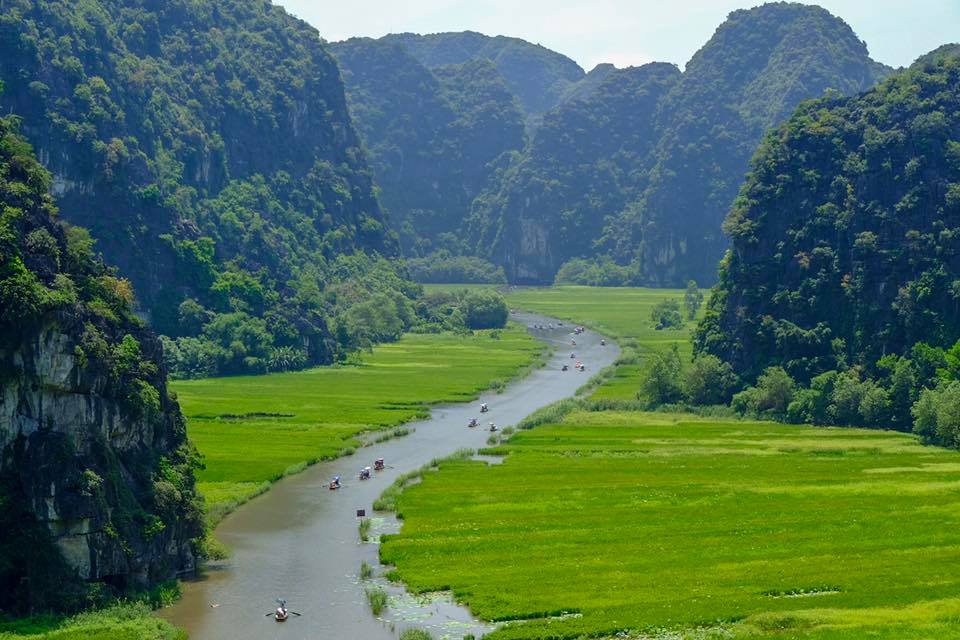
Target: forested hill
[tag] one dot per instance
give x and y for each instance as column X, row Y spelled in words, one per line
column 587, row 158
column 852, row 205
column 539, row 77
column 430, row 135
column 758, row 66
column 208, row 148
column 96, row 474
column 669, row 158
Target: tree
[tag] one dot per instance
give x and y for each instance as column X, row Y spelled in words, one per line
column 666, row 315
column 937, row 414
column 709, row 381
column 662, row 382
column 692, row 299
column 903, row 389
column 776, row 390
column 485, row 310
column 951, row 368
column 848, row 393
column 192, row 317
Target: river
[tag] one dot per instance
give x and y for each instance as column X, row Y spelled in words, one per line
column 300, row 541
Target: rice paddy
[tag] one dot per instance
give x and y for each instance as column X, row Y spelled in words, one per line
column 674, row 526
column 253, row 430
column 620, row 312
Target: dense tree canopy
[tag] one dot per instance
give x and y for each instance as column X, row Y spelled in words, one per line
column 853, row 204
column 539, row 77
column 758, row 66
column 208, row 148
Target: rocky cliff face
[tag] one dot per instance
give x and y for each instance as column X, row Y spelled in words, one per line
column 79, row 458
column 96, row 476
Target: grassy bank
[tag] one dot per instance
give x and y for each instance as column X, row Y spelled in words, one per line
column 619, row 312
column 648, row 521
column 253, row 430
column 134, row 621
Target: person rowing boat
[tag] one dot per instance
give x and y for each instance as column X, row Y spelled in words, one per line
column 282, row 613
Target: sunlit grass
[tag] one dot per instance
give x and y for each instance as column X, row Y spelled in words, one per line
column 133, row 621
column 646, row 522
column 253, row 430
column 620, row 312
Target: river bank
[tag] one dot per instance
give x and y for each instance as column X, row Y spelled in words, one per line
column 299, row 541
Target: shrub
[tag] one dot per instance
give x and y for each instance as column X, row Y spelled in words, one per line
column 598, row 272
column 692, row 299
column 366, row 571
column 485, row 310
column 666, row 315
column 772, row 395
column 709, row 381
column 937, row 414
column 377, row 598
column 441, row 267
column 661, row 384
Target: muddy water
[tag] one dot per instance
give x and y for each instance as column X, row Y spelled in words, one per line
column 299, row 541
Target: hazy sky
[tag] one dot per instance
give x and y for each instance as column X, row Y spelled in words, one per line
column 626, row 32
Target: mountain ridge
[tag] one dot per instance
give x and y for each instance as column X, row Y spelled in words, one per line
column 756, row 68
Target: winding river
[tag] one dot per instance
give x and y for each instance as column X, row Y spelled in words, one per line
column 300, row 540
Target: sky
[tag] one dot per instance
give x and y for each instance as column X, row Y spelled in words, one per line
column 627, row 32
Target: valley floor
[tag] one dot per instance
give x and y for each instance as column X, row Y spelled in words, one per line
column 630, row 524
column 253, row 430
column 622, row 312
column 639, row 521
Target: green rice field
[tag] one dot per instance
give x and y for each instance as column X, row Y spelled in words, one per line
column 252, row 430
column 630, row 525
column 620, row 312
